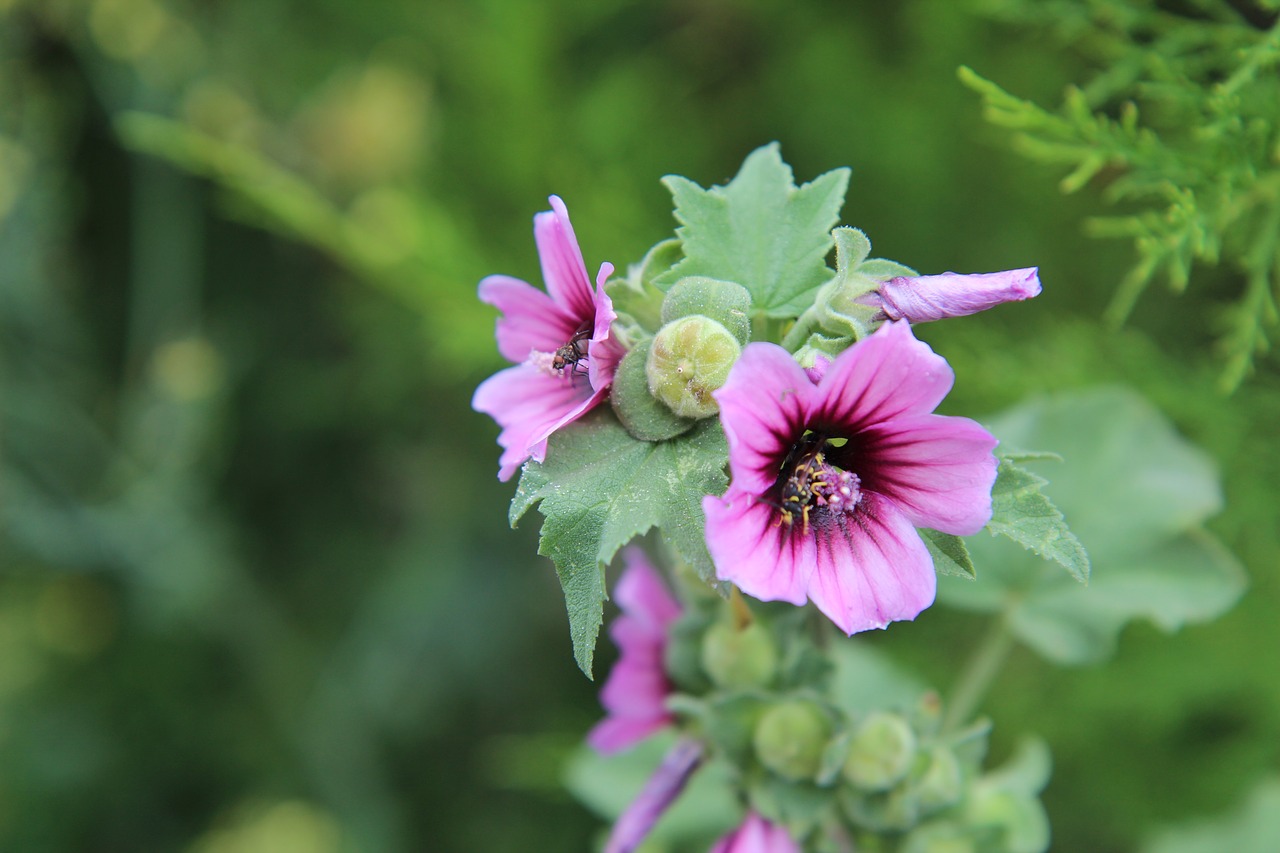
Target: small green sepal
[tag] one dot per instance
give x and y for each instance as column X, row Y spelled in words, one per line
column 727, row 303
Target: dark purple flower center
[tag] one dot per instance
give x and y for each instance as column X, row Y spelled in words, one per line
column 810, row 487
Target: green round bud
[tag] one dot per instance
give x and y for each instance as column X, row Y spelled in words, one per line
column 739, row 657
column 1020, row 817
column 643, row 416
column 727, row 303
column 691, row 357
column 789, row 739
column 939, row 837
column 881, row 753
column 942, row 783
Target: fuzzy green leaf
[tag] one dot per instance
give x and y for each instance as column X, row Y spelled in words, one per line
column 599, row 488
column 1136, row 494
column 760, row 231
column 950, row 556
column 1021, row 511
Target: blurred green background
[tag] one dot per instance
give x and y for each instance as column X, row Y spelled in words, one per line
column 257, row 590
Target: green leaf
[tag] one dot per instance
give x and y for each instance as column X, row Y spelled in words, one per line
column 1136, row 494
column 1253, row 828
column 1024, row 513
column 599, row 488
column 950, row 556
column 760, row 231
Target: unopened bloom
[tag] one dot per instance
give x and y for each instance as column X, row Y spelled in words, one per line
column 757, row 835
column 922, row 298
column 635, row 693
column 832, row 475
column 551, row 336
column 656, row 797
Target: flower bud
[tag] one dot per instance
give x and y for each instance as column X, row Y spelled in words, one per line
column 1019, row 817
column 739, row 657
column 789, row 738
column 643, row 416
column 940, row 837
column 691, row 357
column 942, row 783
column 725, row 302
column 881, row 753
column 932, row 297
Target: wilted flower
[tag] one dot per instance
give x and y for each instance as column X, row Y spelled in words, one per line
column 832, row 475
column 656, row 797
column 635, row 693
column 932, row 297
column 550, row 336
column 757, row 835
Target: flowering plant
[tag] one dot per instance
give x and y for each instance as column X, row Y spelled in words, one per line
column 773, row 421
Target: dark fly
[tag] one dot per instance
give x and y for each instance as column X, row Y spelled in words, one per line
column 571, row 353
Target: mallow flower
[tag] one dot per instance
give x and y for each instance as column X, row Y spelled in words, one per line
column 832, row 474
column 559, row 340
column 635, row 693
column 757, row 835
column 919, row 299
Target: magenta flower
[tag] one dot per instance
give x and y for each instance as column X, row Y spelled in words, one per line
column 831, row 476
column 551, row 337
column 635, row 693
column 656, row 797
column 933, row 297
column 757, row 835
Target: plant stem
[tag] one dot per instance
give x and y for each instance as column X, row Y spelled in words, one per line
column 979, row 672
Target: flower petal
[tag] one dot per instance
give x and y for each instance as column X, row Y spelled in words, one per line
column 605, row 349
column 750, row 548
column 872, row 567
column 933, row 297
column 763, row 407
column 530, row 404
column 757, row 835
column 937, row 469
column 656, row 797
column 613, row 734
column 642, row 595
column 530, row 319
column 884, row 376
column 563, row 269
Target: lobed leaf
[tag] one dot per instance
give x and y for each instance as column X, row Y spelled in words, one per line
column 760, row 230
column 1136, row 494
column 599, row 488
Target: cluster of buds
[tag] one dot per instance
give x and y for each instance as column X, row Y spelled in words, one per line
column 746, row 685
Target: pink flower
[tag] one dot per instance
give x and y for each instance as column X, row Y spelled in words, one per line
column 656, row 797
column 757, row 835
column 635, row 693
column 550, row 336
column 831, row 476
column 933, row 297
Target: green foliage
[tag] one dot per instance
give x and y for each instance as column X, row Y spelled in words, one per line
column 1021, row 511
column 600, row 487
column 1253, row 828
column 1192, row 156
column 760, row 231
column 1136, row 494
column 950, row 556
